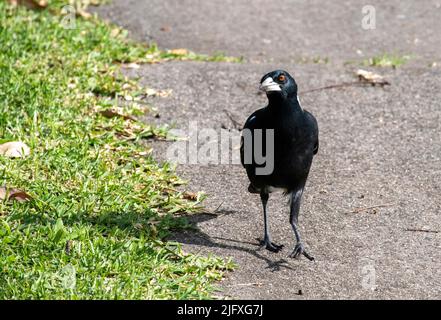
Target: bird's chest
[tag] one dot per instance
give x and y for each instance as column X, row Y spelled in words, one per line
column 288, row 138
column 291, row 149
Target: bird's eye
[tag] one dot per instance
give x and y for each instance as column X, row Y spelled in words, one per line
column 281, row 78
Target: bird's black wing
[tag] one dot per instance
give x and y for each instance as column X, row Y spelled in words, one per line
column 312, row 122
column 253, row 122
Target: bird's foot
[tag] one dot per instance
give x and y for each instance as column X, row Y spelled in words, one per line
column 299, row 250
column 270, row 246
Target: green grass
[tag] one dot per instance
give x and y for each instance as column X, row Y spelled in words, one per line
column 101, row 206
column 386, row 60
column 312, row 60
column 189, row 55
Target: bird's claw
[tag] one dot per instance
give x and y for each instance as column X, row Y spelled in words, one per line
column 270, row 246
column 299, row 250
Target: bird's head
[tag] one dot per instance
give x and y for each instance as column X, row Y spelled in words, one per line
column 278, row 83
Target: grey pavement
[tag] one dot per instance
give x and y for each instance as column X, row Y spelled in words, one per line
column 379, row 147
column 283, row 30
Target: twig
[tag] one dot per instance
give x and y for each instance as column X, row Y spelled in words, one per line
column 215, row 210
column 348, row 84
column 341, row 85
column 236, row 124
column 256, row 284
column 422, row 230
column 358, row 210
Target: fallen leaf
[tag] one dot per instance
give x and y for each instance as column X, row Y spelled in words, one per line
column 14, row 149
column 68, row 246
column 30, row 4
column 164, row 93
column 190, row 196
column 179, row 52
column 110, row 113
column 132, row 65
column 84, row 14
column 138, row 226
column 150, row 92
column 152, row 228
column 115, row 32
column 13, row 194
column 145, row 153
column 370, row 77
column 165, row 28
column 168, row 190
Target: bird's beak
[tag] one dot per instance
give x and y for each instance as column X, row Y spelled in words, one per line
column 269, row 85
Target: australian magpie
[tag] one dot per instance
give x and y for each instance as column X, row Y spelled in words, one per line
column 277, row 146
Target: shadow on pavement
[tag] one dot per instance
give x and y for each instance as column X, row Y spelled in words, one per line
column 200, row 239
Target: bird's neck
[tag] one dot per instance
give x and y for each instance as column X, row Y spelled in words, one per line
column 284, row 105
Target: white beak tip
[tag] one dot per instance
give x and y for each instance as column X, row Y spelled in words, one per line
column 269, row 85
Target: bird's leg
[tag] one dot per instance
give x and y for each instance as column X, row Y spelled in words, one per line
column 299, row 249
column 267, row 237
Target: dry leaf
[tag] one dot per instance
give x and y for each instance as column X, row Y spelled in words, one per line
column 115, row 32
column 145, row 153
column 164, row 93
column 13, row 194
column 179, row 52
column 30, row 4
column 84, row 14
column 370, row 77
column 126, row 86
column 14, row 149
column 166, row 28
column 157, row 93
column 132, row 65
column 150, row 92
column 110, row 113
column 138, row 226
column 190, row 196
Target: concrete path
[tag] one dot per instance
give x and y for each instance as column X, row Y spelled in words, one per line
column 380, row 148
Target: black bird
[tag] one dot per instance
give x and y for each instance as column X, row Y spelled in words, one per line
column 281, row 161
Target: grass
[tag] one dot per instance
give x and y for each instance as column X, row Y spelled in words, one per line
column 386, row 60
column 183, row 54
column 313, row 60
column 101, row 206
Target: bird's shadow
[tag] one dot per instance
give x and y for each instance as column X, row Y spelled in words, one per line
column 193, row 236
column 198, row 238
